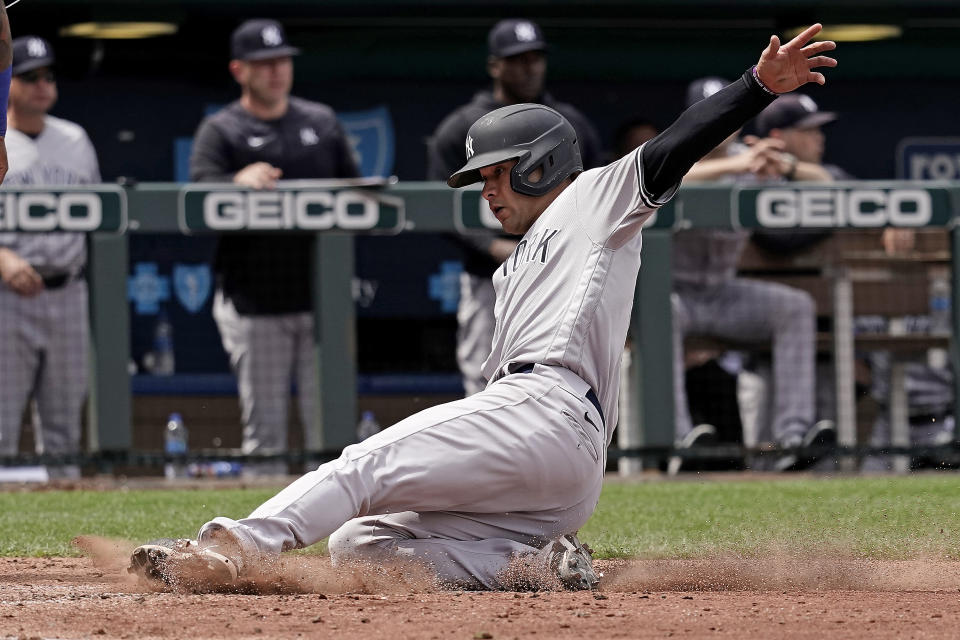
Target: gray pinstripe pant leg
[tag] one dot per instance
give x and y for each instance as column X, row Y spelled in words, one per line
column 536, row 472
column 265, row 353
column 475, row 326
column 43, row 352
column 749, row 311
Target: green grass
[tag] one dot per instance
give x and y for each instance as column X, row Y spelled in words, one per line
column 895, row 517
column 877, row 517
column 43, row 523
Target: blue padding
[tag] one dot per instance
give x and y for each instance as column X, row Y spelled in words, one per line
column 5, row 76
column 224, row 384
column 386, row 383
column 185, row 384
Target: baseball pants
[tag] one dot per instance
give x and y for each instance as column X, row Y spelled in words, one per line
column 475, row 326
column 463, row 487
column 43, row 354
column 749, row 311
column 266, row 352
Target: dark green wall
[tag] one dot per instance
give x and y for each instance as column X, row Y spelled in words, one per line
column 603, row 39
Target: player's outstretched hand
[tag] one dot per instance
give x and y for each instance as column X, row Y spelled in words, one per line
column 783, row 68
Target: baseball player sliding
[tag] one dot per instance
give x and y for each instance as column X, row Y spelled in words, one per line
column 516, row 469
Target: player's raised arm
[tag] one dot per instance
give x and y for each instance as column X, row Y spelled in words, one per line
column 781, row 68
column 6, row 60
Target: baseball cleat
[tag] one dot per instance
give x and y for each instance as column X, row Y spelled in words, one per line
column 573, row 562
column 181, row 562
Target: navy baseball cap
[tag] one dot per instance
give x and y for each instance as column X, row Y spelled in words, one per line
column 260, row 39
column 30, row 52
column 515, row 36
column 793, row 110
column 704, row 88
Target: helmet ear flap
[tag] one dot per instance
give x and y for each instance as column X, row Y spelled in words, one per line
column 522, row 178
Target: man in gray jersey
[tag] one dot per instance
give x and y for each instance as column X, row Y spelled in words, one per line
column 517, row 64
column 508, row 475
column 263, row 304
column 709, row 299
column 43, row 297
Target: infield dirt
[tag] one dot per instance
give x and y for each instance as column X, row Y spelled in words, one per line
column 762, row 597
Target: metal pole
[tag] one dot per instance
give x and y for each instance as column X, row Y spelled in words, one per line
column 844, row 361
column 652, row 330
column 109, row 406
column 335, row 329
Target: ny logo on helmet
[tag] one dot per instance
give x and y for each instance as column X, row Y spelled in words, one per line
column 469, row 147
column 271, row 36
column 36, row 48
column 525, row 32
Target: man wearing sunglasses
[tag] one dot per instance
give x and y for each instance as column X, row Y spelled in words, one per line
column 43, row 294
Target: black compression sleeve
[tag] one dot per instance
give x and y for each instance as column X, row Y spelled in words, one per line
column 667, row 157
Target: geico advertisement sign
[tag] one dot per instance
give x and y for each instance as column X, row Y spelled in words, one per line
column 43, row 211
column 782, row 208
column 307, row 210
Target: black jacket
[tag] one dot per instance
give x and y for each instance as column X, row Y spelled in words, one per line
column 270, row 273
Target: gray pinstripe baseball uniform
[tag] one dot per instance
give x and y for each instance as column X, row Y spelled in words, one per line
column 467, row 486
column 43, row 338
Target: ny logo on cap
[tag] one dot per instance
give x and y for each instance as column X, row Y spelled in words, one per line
column 807, row 103
column 469, row 147
column 36, row 48
column 271, row 36
column 711, row 86
column 525, row 32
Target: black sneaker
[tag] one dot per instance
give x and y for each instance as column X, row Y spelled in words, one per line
column 703, row 435
column 822, row 434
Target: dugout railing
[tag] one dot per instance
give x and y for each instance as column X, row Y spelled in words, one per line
column 335, row 211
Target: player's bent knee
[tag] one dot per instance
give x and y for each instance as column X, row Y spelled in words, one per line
column 798, row 306
column 354, row 540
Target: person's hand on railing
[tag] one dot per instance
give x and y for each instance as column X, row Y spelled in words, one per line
column 259, row 175
column 897, row 241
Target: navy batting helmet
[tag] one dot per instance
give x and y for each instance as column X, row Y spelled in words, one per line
column 537, row 136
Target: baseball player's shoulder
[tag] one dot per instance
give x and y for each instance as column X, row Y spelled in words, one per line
column 226, row 118
column 17, row 138
column 462, row 118
column 64, row 129
column 309, row 109
column 22, row 151
column 570, row 112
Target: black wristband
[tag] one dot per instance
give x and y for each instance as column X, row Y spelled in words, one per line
column 756, row 78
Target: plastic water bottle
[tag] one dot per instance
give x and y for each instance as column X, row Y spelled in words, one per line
column 163, row 363
column 175, row 444
column 940, row 316
column 367, row 426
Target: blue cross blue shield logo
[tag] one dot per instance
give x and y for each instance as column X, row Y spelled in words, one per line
column 370, row 134
column 192, row 284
